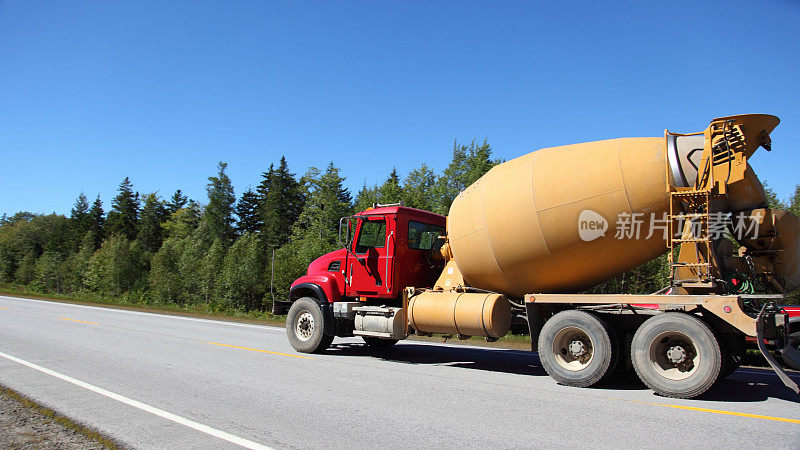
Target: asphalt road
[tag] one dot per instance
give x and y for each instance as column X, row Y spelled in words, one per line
column 157, row 381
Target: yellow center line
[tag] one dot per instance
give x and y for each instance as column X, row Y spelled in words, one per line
column 75, row 320
column 719, row 411
column 2, row 307
column 257, row 350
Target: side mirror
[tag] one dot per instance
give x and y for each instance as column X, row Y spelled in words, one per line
column 349, row 233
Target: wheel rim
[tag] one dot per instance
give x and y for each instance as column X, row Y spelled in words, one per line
column 573, row 349
column 674, row 355
column 304, row 326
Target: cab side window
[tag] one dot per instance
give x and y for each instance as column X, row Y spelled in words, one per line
column 422, row 236
column 372, row 235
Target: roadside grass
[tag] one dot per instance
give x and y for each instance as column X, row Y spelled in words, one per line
column 144, row 304
column 60, row 419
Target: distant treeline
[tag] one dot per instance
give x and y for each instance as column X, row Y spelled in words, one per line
column 217, row 253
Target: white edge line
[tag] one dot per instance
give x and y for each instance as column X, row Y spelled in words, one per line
column 142, row 313
column 144, row 407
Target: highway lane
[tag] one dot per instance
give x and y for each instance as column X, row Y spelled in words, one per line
column 153, row 381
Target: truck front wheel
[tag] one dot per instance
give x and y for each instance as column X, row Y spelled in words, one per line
column 305, row 325
column 676, row 355
column 576, row 348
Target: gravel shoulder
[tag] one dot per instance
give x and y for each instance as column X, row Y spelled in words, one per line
column 26, row 424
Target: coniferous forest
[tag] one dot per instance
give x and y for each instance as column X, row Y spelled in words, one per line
column 215, row 253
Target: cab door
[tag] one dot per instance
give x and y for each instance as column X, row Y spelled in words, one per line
column 369, row 272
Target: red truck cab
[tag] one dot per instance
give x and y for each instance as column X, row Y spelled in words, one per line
column 391, row 248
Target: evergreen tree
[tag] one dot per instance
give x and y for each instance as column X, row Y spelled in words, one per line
column 366, row 197
column 153, row 214
column 164, row 278
column 26, row 269
column 794, row 204
column 773, row 201
column 390, row 191
column 79, row 216
column 182, row 222
column 218, row 215
column 47, row 276
column 266, row 182
column 241, row 283
column 73, row 269
column 209, row 269
column 248, row 210
column 316, row 230
column 282, row 201
column 469, row 163
column 328, row 201
column 117, row 267
column 97, row 222
column 418, row 189
column 176, row 202
column 124, row 214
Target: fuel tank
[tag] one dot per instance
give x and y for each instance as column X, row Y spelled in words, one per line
column 467, row 314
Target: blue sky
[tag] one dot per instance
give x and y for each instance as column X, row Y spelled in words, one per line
column 91, row 92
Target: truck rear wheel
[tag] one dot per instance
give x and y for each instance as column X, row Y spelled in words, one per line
column 305, row 325
column 676, row 355
column 576, row 348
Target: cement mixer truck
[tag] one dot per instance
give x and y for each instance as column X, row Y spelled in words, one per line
column 524, row 243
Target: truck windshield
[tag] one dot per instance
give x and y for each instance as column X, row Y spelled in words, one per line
column 373, row 235
column 422, row 236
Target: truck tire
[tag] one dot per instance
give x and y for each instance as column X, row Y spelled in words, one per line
column 576, row 348
column 378, row 343
column 676, row 355
column 305, row 325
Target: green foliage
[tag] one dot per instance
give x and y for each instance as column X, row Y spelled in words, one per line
column 282, row 199
column 124, row 211
column 73, row 269
column 469, row 163
column 218, row 215
column 241, row 282
column 176, row 202
column 418, row 189
column 80, row 218
column 47, row 273
column 182, row 222
column 117, row 267
column 328, row 201
column 153, row 214
column 97, row 222
column 210, row 268
column 366, row 197
column 248, row 211
column 645, row 279
column 166, row 282
column 390, row 191
column 26, row 269
column 794, row 203
column 772, row 199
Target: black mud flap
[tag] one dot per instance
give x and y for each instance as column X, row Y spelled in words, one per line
column 766, row 326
